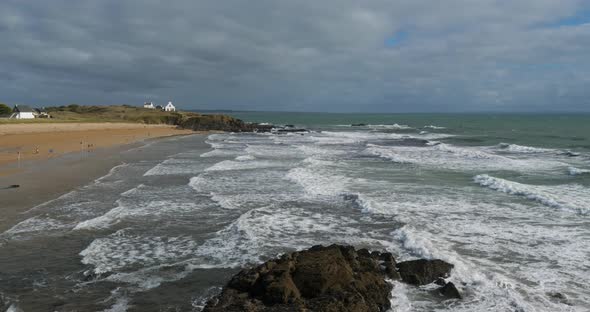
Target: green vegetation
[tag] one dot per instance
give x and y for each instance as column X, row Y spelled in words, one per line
column 5, row 110
column 125, row 113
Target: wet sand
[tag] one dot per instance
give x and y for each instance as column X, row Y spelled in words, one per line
column 43, row 177
column 42, row 141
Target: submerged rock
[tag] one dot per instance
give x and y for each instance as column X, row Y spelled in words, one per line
column 334, row 278
column 559, row 297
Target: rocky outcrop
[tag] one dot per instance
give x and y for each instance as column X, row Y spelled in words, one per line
column 334, row 278
column 423, row 272
column 220, row 123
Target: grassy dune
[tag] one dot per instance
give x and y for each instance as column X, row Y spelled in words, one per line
column 131, row 114
column 118, row 113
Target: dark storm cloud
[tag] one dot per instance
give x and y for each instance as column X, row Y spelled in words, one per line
column 455, row 55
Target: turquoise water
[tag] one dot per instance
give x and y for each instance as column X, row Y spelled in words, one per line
column 543, row 130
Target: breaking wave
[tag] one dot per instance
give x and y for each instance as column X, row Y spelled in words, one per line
column 514, row 148
column 567, row 197
column 393, row 126
column 434, row 127
column 576, row 171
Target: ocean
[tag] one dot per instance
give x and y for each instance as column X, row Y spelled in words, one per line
column 503, row 197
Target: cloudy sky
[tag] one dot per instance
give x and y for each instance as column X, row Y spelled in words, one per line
column 299, row 55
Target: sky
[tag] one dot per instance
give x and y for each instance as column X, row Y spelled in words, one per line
column 299, row 55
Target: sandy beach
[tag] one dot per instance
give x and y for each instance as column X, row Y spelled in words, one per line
column 48, row 140
column 56, row 158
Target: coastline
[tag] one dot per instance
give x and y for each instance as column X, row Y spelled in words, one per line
column 44, row 179
column 32, row 142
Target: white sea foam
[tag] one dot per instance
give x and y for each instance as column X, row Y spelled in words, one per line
column 121, row 305
column 119, row 251
column 271, row 151
column 245, row 158
column 244, row 165
column 399, row 298
column 434, row 127
column 366, row 204
column 577, row 171
column 570, row 197
column 218, row 136
column 144, row 202
column 14, row 308
column 36, row 224
column 238, row 192
column 486, row 291
column 222, row 152
column 174, row 166
column 154, row 209
column 514, row 148
column 262, row 232
column 316, row 182
column 359, row 137
column 319, row 150
column 471, row 153
column 112, row 172
column 447, row 156
column 393, row 126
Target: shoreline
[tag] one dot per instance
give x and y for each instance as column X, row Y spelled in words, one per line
column 43, row 180
column 31, row 142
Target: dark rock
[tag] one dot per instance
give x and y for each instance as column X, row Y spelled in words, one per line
column 333, row 278
column 423, row 272
column 221, row 123
column 450, row 291
column 358, row 125
column 287, row 130
column 89, row 275
column 571, row 154
column 559, row 297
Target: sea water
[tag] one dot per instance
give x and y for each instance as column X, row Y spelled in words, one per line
column 505, row 198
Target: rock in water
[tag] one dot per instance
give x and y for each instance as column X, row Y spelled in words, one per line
column 450, row 291
column 423, row 272
column 334, row 278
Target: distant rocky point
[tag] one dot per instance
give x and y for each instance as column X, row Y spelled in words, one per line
column 334, row 278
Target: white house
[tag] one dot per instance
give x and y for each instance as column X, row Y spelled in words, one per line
column 169, row 107
column 22, row 112
column 40, row 113
column 149, row 105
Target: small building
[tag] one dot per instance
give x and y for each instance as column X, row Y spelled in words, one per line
column 149, row 105
column 40, row 113
column 22, row 112
column 169, row 107
column 159, row 107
